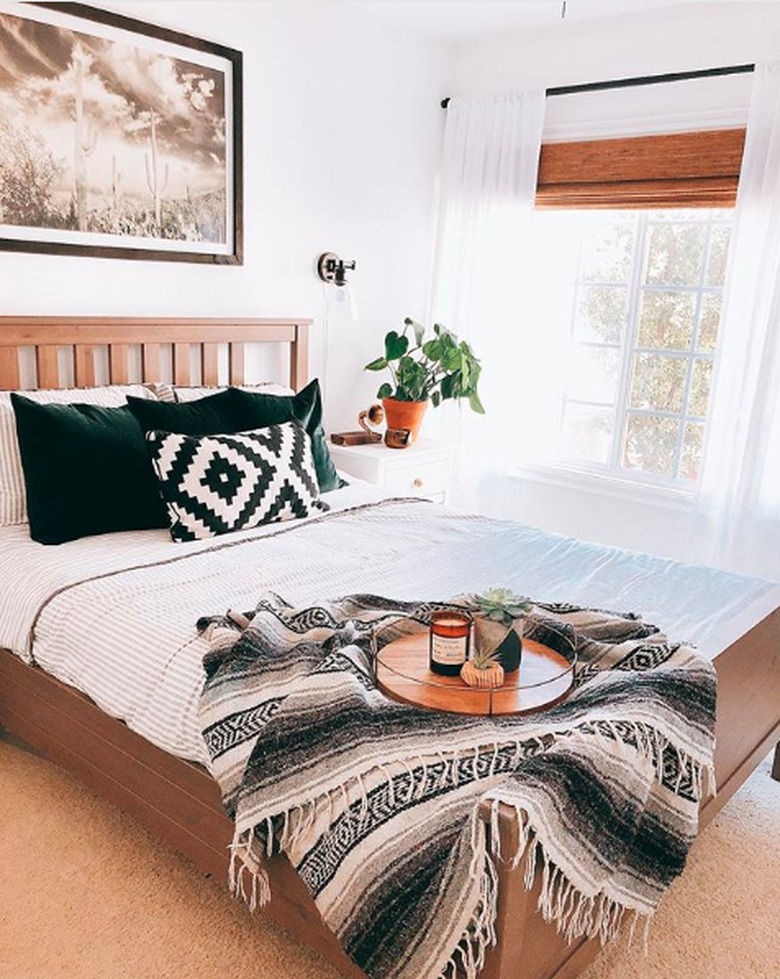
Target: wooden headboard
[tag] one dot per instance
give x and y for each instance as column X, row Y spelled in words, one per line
column 45, row 336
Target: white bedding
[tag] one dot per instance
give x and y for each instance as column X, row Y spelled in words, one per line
column 115, row 615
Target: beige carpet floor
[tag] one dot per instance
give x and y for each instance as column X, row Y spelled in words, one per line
column 85, row 893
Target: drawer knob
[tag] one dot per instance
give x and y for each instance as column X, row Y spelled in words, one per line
column 417, row 482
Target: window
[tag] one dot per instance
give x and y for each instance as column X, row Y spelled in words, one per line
column 641, row 305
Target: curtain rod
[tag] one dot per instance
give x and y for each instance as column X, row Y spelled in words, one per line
column 675, row 76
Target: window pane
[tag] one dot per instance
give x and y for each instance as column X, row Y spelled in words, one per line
column 691, row 450
column 678, row 214
column 601, row 313
column 607, row 253
column 719, row 253
column 675, row 253
column 651, row 444
column 587, row 432
column 709, row 322
column 700, row 387
column 659, row 382
column 593, row 374
column 666, row 319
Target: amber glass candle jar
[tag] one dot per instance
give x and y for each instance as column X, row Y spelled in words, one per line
column 449, row 642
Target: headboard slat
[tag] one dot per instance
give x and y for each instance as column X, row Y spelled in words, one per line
column 237, row 363
column 151, row 363
column 299, row 358
column 9, row 367
column 48, row 365
column 117, row 363
column 85, row 366
column 181, row 364
column 210, row 362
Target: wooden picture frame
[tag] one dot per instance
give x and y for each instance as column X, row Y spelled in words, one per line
column 133, row 132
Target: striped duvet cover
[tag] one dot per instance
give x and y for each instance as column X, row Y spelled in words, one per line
column 115, row 616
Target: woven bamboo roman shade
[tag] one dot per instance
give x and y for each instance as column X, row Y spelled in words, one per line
column 696, row 169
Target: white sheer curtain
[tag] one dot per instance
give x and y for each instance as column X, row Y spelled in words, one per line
column 483, row 247
column 737, row 515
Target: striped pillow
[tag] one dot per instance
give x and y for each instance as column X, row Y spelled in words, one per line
column 183, row 394
column 13, row 502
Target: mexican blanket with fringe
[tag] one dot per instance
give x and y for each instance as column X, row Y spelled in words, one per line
column 389, row 812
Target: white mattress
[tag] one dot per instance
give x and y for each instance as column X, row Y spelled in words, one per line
column 115, row 615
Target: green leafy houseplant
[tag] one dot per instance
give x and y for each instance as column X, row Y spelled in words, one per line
column 435, row 370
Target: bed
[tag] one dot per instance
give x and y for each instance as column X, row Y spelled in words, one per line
column 73, row 686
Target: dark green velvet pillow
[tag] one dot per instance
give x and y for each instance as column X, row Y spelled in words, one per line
column 212, row 415
column 254, row 410
column 86, row 471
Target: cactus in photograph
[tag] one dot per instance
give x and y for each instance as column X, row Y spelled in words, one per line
column 116, row 193
column 85, row 136
column 156, row 184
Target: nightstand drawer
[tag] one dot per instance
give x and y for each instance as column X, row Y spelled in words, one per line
column 421, row 478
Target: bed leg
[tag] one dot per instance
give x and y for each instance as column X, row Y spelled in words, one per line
column 776, row 763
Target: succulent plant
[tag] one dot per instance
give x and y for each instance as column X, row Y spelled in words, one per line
column 483, row 669
column 501, row 605
column 483, row 659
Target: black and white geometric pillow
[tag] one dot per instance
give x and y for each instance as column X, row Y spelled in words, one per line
column 214, row 484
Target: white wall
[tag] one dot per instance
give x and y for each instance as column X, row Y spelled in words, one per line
column 679, row 38
column 342, row 130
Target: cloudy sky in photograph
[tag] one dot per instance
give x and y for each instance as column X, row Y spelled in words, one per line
column 122, row 85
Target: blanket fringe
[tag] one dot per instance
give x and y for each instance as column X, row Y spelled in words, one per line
column 468, row 957
column 575, row 914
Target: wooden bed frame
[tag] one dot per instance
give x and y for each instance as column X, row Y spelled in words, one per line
column 179, row 801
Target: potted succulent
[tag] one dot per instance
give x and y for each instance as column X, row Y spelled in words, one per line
column 482, row 669
column 435, row 370
column 498, row 625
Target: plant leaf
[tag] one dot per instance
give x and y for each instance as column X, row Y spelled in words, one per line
column 385, row 391
column 436, row 399
column 433, row 349
column 376, row 365
column 450, row 359
column 476, row 404
column 464, row 370
column 395, row 345
column 447, row 386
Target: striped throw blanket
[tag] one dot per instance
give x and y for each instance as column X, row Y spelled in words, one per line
column 380, row 806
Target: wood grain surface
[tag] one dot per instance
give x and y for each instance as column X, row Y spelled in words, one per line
column 544, row 678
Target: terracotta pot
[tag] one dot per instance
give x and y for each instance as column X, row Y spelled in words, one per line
column 404, row 414
column 489, row 678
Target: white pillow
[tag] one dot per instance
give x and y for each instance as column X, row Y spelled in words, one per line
column 13, row 502
column 195, row 394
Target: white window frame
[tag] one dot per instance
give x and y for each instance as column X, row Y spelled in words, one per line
column 672, row 488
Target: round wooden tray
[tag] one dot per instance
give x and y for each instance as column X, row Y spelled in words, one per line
column 544, row 679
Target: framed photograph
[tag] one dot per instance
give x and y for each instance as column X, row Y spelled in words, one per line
column 118, row 139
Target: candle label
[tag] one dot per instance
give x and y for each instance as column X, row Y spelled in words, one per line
column 449, row 651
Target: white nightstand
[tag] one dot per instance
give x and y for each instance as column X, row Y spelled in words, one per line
column 421, row 470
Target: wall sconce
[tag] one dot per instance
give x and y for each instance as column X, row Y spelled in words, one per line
column 340, row 297
column 331, row 268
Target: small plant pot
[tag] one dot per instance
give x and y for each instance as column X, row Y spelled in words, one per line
column 506, row 641
column 473, row 676
column 407, row 415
